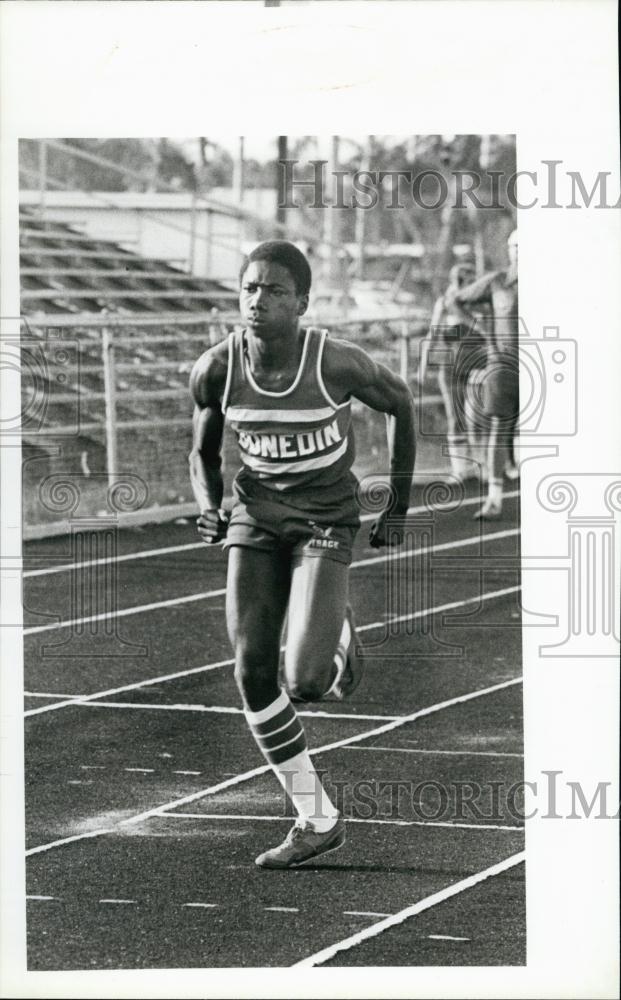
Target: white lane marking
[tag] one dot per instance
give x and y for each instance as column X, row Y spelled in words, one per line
column 140, row 770
column 168, row 549
column 224, row 710
column 51, row 694
column 67, row 840
column 255, row 772
column 445, row 937
column 79, row 782
column 281, row 909
column 450, row 753
column 353, row 819
column 123, row 901
column 42, row 898
column 477, row 599
column 92, row 767
column 187, row 772
column 122, row 612
column 482, row 598
column 363, row 913
column 202, row 906
column 457, row 543
column 204, row 595
column 147, row 554
column 386, row 728
column 131, row 687
column 411, row 911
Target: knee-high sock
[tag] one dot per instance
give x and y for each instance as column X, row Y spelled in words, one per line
column 494, row 491
column 458, row 452
column 280, row 736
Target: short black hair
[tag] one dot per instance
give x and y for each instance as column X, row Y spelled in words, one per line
column 287, row 255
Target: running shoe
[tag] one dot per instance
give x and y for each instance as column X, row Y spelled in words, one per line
column 302, row 844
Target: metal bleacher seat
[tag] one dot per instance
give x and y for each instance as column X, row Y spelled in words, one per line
column 61, row 267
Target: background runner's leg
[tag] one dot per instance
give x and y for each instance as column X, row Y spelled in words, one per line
column 319, row 589
column 256, row 602
column 456, row 438
column 477, row 425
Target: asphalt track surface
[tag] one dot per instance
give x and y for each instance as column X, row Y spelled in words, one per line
column 147, row 799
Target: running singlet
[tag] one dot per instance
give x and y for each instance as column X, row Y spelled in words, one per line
column 297, row 445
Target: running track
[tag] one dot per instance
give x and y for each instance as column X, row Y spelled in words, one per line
column 147, row 800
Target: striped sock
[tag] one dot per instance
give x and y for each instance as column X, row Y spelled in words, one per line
column 280, row 736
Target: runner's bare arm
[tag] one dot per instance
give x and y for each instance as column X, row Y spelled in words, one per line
column 349, row 371
column 207, row 383
column 436, row 320
column 478, row 291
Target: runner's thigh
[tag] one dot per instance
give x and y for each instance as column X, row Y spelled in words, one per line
column 319, row 590
column 257, row 593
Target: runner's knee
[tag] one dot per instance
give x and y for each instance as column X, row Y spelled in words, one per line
column 256, row 672
column 306, row 689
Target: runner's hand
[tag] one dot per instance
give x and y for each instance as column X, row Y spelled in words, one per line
column 389, row 529
column 213, row 525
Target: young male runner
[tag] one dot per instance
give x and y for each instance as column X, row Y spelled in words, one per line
column 287, row 392
column 499, row 385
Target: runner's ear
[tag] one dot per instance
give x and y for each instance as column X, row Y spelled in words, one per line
column 302, row 304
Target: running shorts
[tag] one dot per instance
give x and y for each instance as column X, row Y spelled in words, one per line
column 276, row 526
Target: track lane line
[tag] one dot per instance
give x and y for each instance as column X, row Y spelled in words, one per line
column 207, row 594
column 168, row 549
column 98, row 695
column 320, row 957
column 69, row 840
column 239, row 779
column 449, row 753
column 50, row 694
column 445, row 825
column 227, row 710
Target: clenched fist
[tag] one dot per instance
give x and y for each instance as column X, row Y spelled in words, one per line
column 213, row 525
column 388, row 529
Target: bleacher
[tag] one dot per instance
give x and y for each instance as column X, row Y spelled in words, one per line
column 63, row 271
column 66, row 274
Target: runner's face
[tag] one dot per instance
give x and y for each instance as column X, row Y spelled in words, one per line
column 268, row 300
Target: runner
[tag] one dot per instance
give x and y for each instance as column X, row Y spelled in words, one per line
column 286, row 392
column 460, row 353
column 498, row 387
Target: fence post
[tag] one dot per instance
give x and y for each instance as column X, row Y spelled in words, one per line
column 42, row 173
column 107, row 347
column 192, row 247
column 208, row 244
column 404, row 351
